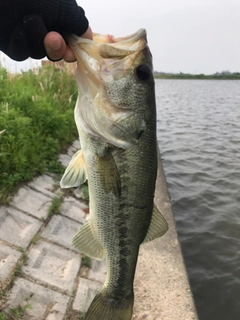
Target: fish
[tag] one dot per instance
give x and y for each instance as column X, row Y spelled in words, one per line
column 115, row 115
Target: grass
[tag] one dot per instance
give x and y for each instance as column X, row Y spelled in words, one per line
column 3, row 316
column 85, row 192
column 86, row 261
column 36, row 238
column 19, row 311
column 82, row 316
column 75, row 315
column 55, row 206
column 15, row 313
column 21, row 262
column 36, row 123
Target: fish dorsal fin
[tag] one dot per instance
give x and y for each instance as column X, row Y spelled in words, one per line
column 109, row 175
column 158, row 226
column 75, row 174
column 86, row 242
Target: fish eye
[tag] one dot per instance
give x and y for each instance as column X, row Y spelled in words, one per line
column 143, row 72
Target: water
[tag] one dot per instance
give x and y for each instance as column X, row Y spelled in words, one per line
column 199, row 138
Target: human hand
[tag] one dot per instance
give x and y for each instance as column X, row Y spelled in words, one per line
column 57, row 48
column 26, row 28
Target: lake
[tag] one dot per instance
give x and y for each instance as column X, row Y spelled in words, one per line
column 199, row 138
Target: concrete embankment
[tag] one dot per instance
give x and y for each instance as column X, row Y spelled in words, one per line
column 50, row 279
column 162, row 288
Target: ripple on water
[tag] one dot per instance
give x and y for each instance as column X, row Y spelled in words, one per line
column 199, row 138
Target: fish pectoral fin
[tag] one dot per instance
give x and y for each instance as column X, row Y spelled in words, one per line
column 109, row 175
column 86, row 242
column 75, row 174
column 158, row 226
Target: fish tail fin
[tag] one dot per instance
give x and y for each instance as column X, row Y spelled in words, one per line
column 106, row 308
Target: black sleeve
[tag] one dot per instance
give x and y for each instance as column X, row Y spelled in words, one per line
column 25, row 23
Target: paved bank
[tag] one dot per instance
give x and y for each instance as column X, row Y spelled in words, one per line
column 48, row 279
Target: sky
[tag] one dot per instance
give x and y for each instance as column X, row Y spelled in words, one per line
column 190, row 36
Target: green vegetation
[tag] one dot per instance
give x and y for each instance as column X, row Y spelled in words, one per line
column 36, row 123
column 36, row 238
column 86, row 261
column 82, row 316
column 74, row 315
column 85, row 192
column 17, row 271
column 19, row 311
column 216, row 76
column 15, row 313
column 55, row 206
column 18, row 268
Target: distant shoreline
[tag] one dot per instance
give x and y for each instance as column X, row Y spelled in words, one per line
column 187, row 76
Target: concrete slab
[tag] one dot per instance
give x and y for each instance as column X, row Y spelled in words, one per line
column 53, row 265
column 8, row 260
column 44, row 184
column 76, row 144
column 64, row 159
column 17, row 227
column 87, row 290
column 73, row 209
column 72, row 150
column 78, row 193
column 45, row 303
column 98, row 270
column 61, row 231
column 32, row 202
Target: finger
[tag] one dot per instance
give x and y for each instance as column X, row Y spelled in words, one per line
column 69, row 55
column 54, row 45
column 36, row 31
column 88, row 34
column 18, row 48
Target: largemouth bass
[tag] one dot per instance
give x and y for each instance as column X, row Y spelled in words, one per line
column 116, row 119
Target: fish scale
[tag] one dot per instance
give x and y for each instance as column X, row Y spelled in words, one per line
column 116, row 119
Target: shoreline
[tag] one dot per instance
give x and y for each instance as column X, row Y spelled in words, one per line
column 195, row 77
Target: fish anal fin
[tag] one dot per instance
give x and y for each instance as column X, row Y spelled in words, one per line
column 75, row 173
column 86, row 242
column 158, row 226
column 109, row 175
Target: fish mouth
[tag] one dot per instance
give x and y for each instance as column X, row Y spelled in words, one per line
column 97, row 58
column 101, row 62
column 120, row 40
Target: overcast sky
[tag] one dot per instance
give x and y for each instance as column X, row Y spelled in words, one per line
column 195, row 36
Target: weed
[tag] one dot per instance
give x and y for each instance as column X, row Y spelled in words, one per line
column 82, row 316
column 85, row 193
column 86, row 261
column 55, row 206
column 18, row 269
column 3, row 316
column 74, row 315
column 36, row 238
column 15, row 313
column 20, row 310
column 38, row 122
